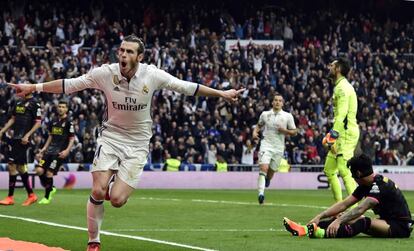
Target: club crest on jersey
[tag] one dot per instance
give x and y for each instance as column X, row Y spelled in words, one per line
column 145, row 90
column 115, row 79
column 374, row 189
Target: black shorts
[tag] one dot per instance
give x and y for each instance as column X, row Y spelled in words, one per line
column 399, row 229
column 18, row 153
column 51, row 162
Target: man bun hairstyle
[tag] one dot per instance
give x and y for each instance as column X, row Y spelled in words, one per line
column 135, row 39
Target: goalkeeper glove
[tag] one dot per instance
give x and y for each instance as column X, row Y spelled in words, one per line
column 330, row 139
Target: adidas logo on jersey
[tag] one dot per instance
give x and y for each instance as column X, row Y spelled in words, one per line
column 116, row 89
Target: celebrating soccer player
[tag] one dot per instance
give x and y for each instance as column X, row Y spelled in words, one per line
column 124, row 136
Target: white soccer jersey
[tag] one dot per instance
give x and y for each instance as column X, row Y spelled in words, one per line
column 273, row 140
column 128, row 105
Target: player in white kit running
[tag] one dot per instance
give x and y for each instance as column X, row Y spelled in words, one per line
column 126, row 130
column 276, row 123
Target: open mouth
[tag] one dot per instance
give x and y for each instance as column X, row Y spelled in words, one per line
column 123, row 64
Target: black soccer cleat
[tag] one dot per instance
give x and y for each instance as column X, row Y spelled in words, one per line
column 312, row 227
column 267, row 182
column 261, row 199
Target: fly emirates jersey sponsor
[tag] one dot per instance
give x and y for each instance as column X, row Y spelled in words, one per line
column 127, row 118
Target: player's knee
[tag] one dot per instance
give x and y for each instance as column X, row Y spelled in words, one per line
column 49, row 174
column 98, row 192
column 21, row 168
column 39, row 171
column 345, row 173
column 264, row 168
column 117, row 201
column 12, row 169
column 329, row 173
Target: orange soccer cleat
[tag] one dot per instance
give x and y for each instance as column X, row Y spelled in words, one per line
column 294, row 228
column 32, row 198
column 8, row 201
column 94, row 246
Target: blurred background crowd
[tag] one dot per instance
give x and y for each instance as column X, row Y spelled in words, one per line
column 46, row 40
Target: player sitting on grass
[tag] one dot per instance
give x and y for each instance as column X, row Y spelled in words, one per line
column 378, row 193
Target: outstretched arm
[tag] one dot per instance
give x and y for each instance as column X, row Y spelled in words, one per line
column 55, row 86
column 92, row 79
column 163, row 79
column 229, row 95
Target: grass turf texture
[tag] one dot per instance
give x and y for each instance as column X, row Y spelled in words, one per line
column 211, row 219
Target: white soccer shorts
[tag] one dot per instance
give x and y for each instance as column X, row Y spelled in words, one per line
column 270, row 158
column 129, row 161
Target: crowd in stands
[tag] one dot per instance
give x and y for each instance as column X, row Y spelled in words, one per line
column 44, row 40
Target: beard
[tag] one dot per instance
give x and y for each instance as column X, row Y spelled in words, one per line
column 331, row 76
column 126, row 68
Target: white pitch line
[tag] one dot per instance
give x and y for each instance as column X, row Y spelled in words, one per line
column 241, row 203
column 195, row 230
column 107, row 233
column 244, row 203
column 238, row 203
column 235, row 202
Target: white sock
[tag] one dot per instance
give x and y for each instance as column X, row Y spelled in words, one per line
column 95, row 215
column 261, row 182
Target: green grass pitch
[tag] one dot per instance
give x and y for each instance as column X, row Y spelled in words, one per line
column 174, row 219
